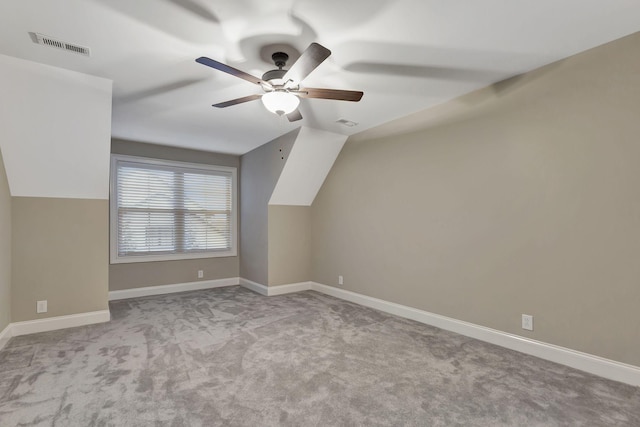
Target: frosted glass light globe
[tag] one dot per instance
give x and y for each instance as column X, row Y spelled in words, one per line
column 280, row 102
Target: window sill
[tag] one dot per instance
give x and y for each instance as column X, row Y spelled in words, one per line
column 172, row 257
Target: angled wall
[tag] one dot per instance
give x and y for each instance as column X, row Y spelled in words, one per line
column 289, row 243
column 56, row 126
column 307, row 166
column 55, row 129
column 279, row 181
column 259, row 173
column 520, row 198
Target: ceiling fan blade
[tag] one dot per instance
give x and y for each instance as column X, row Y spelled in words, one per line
column 340, row 95
column 313, row 56
column 295, row 116
column 237, row 101
column 230, row 70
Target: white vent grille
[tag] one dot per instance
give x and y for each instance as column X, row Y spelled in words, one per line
column 59, row 44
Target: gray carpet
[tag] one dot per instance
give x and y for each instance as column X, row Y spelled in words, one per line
column 230, row 357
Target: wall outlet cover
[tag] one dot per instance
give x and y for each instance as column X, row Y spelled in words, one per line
column 41, row 306
column 527, row 322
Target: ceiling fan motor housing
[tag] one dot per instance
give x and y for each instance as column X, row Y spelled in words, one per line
column 274, row 75
column 280, row 59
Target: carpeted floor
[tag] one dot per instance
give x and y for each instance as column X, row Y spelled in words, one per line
column 231, row 357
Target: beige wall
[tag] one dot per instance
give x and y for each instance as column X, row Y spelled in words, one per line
column 141, row 274
column 260, row 170
column 526, row 201
column 5, row 249
column 289, row 244
column 60, row 254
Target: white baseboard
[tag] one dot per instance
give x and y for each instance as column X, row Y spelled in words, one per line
column 596, row 365
column 275, row 290
column 254, row 286
column 169, row 289
column 58, row 322
column 5, row 336
column 288, row 289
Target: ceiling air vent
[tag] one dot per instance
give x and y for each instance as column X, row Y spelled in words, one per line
column 59, row 44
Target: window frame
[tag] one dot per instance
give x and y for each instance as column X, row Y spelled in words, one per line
column 113, row 210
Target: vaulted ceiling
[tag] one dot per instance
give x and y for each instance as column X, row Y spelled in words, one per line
column 406, row 55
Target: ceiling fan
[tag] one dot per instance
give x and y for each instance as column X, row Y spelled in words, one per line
column 282, row 87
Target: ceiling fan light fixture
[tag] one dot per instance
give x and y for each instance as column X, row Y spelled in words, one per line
column 282, row 87
column 280, row 102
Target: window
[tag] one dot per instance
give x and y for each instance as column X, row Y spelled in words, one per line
column 166, row 210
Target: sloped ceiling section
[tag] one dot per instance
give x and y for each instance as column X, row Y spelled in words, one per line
column 55, row 130
column 308, row 164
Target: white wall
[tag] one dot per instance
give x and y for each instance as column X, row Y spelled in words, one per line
column 55, row 130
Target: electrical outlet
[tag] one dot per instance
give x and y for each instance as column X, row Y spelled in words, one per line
column 41, row 306
column 340, row 280
column 200, row 274
column 527, row 322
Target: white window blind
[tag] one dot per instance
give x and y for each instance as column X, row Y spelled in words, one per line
column 170, row 210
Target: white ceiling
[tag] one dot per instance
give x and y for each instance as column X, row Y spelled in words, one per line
column 406, row 55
